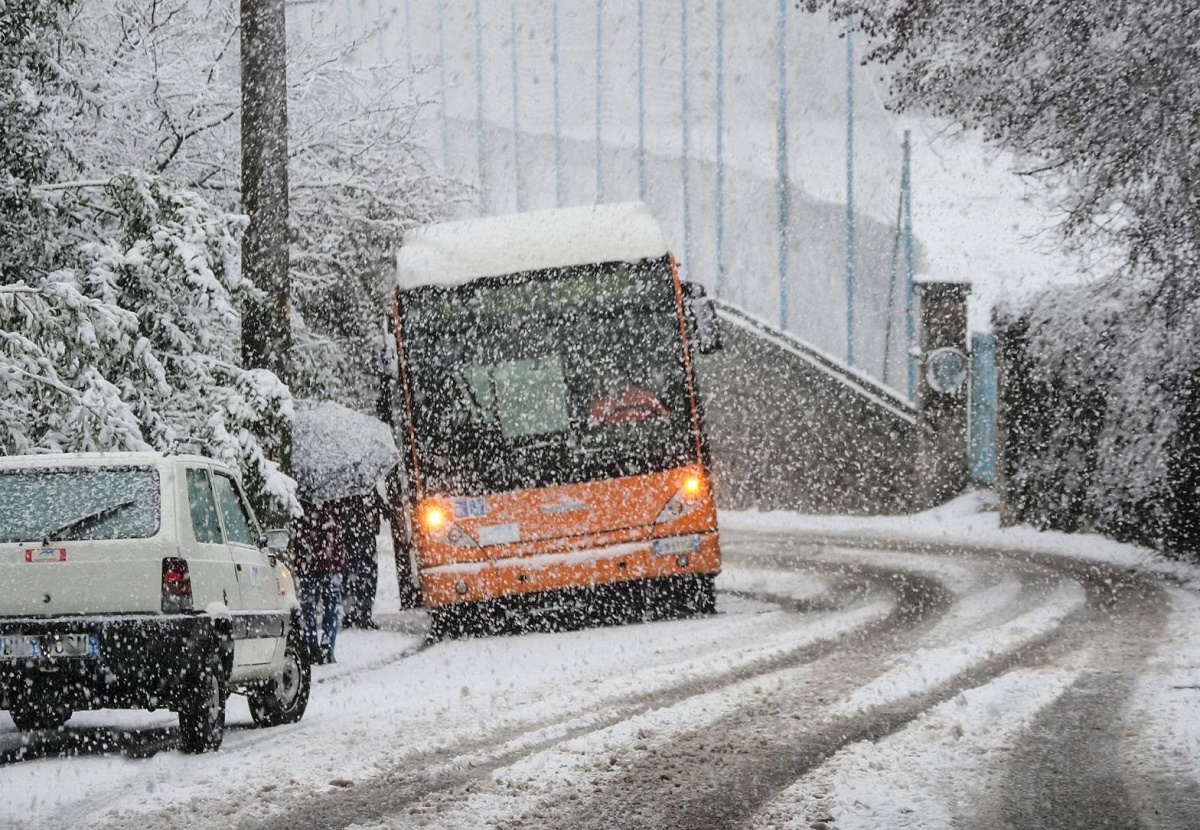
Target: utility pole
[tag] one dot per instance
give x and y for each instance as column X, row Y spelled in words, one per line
column 909, row 264
column 599, row 101
column 266, row 323
column 441, row 37
column 480, row 139
column 558, row 163
column 516, row 114
column 408, row 36
column 266, row 329
column 686, row 139
column 641, row 97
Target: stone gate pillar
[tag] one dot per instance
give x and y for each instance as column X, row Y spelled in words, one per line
column 943, row 367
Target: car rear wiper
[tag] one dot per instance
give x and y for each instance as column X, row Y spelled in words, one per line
column 83, row 521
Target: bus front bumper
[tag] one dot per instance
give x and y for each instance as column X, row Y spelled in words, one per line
column 447, row 585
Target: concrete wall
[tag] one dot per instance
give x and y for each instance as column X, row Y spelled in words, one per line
column 791, row 428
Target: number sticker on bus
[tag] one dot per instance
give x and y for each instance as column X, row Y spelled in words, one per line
column 469, row 508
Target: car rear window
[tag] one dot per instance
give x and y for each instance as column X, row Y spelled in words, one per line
column 65, row 504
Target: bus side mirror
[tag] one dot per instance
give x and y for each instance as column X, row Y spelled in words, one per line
column 704, row 316
column 708, row 326
column 276, row 540
column 383, row 352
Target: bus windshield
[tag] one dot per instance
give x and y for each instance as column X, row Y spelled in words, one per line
column 551, row 378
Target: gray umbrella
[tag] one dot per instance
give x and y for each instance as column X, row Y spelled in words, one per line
column 337, row 452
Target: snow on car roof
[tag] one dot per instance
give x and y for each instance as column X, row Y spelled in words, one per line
column 453, row 253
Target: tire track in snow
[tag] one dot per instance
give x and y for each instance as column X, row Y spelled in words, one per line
column 86, row 811
column 931, row 773
column 721, row 776
column 407, row 797
column 1069, row 771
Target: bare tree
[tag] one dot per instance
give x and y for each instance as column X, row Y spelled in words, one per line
column 160, row 92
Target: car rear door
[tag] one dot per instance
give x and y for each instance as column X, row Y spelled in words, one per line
column 258, row 624
column 208, row 557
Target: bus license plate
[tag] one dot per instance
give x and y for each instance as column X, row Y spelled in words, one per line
column 48, row 646
column 676, row 545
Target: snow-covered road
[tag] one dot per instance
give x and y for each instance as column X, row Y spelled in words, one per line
column 928, row 673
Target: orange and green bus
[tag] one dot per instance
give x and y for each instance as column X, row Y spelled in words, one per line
column 550, row 418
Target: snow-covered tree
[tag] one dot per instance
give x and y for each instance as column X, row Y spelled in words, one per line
column 31, row 38
column 119, row 316
column 138, row 349
column 1101, row 101
column 1100, row 98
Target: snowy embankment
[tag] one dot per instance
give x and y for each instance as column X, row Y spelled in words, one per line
column 970, row 521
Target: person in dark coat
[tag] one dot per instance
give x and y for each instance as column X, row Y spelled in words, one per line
column 320, row 565
column 362, row 572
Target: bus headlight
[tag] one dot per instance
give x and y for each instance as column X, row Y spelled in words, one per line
column 434, row 517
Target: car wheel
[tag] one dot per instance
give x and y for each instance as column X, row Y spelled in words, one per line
column 32, row 713
column 285, row 697
column 202, row 710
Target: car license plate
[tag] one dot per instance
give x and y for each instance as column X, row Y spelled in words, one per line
column 676, row 545
column 48, row 646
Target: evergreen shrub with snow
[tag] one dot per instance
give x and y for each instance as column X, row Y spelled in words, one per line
column 1100, row 413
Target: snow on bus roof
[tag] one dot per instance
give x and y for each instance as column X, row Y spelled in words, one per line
column 453, row 253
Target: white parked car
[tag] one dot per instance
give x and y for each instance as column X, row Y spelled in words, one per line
column 140, row 580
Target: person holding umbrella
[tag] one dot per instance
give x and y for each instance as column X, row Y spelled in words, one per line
column 338, row 457
column 363, row 515
column 320, row 563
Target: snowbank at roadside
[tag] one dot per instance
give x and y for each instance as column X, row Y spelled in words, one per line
column 971, row 520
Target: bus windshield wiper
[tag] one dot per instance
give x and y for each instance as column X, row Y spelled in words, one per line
column 83, row 521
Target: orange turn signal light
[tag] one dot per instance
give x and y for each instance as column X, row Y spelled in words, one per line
column 693, row 485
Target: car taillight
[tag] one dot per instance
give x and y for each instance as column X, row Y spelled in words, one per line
column 176, row 586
